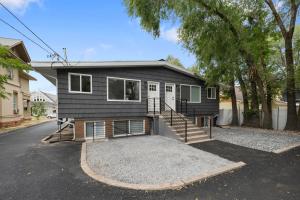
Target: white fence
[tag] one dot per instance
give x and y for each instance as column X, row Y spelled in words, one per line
column 279, row 116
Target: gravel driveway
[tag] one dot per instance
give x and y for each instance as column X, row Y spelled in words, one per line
column 150, row 160
column 261, row 139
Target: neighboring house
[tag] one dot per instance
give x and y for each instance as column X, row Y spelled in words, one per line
column 111, row 99
column 16, row 107
column 50, row 101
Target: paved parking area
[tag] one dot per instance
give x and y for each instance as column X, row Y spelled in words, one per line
column 35, row 171
column 153, row 161
column 265, row 140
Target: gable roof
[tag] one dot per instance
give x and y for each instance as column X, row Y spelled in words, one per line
column 48, row 69
column 52, row 97
column 18, row 45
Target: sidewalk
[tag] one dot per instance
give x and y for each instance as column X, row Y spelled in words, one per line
column 25, row 124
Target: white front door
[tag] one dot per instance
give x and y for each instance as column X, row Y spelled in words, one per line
column 153, row 96
column 170, row 96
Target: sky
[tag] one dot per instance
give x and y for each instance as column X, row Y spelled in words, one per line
column 96, row 30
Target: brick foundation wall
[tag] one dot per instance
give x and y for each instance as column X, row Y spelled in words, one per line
column 79, row 130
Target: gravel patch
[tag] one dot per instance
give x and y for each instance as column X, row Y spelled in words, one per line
column 150, row 160
column 261, row 139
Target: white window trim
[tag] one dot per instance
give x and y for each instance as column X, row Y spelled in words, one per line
column 130, row 134
column 125, row 79
column 191, row 92
column 94, row 130
column 80, row 83
column 212, row 95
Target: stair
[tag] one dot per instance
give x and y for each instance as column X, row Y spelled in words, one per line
column 194, row 133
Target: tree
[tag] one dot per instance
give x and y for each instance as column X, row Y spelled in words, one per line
column 211, row 29
column 285, row 17
column 174, row 61
column 38, row 109
column 9, row 61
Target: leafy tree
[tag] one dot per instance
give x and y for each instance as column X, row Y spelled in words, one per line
column 38, row 109
column 285, row 17
column 8, row 61
column 175, row 61
column 220, row 34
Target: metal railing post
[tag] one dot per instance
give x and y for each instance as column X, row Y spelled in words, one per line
column 93, row 132
column 210, row 123
column 154, row 105
column 147, row 105
column 159, row 105
column 171, row 117
column 185, row 131
column 194, row 116
column 181, row 106
column 186, row 106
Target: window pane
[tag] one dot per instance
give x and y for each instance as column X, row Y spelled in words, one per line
column 209, row 92
column 116, row 89
column 213, row 93
column 132, row 90
column 121, row 127
column 136, row 126
column 99, row 129
column 195, row 94
column 85, row 83
column 75, row 83
column 89, row 129
column 185, row 92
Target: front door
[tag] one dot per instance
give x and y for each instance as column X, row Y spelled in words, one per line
column 170, row 96
column 153, row 96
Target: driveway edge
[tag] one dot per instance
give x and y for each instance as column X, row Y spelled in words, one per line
column 165, row 186
column 284, row 149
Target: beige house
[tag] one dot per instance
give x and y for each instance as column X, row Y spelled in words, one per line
column 16, row 107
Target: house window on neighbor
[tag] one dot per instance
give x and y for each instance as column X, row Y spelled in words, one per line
column 211, row 93
column 120, row 89
column 10, row 73
column 191, row 93
column 80, row 83
column 15, row 102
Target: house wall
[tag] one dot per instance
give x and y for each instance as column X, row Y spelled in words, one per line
column 21, row 87
column 95, row 105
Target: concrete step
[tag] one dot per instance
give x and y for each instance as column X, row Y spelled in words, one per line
column 195, row 138
column 191, row 133
column 182, row 129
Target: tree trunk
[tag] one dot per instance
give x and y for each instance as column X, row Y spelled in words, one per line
column 235, row 120
column 299, row 117
column 291, row 123
column 254, row 96
column 245, row 97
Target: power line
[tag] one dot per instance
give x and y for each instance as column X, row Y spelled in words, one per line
column 32, row 32
column 3, row 21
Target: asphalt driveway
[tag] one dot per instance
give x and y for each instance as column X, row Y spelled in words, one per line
column 31, row 170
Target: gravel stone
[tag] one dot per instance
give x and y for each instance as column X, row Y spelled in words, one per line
column 261, row 139
column 150, row 160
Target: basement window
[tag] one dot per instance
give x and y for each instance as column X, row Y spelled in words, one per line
column 80, row 83
column 128, row 127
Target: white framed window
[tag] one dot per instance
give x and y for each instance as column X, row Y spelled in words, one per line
column 128, row 127
column 10, row 73
column 122, row 89
column 192, row 93
column 80, row 83
column 211, row 93
column 94, row 129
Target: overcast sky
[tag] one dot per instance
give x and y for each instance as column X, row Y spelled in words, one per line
column 97, row 30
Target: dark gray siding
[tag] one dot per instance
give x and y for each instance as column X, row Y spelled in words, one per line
column 95, row 105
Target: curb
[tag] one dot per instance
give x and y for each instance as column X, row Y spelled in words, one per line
column 164, row 186
column 205, row 140
column 44, row 140
column 29, row 126
column 284, row 149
